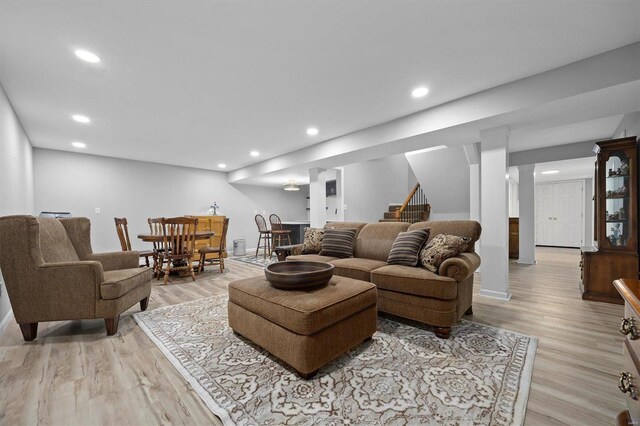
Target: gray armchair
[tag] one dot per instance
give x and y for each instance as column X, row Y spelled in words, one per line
column 52, row 274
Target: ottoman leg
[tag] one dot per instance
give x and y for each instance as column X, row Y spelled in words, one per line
column 307, row 376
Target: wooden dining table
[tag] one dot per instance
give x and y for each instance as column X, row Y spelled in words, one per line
column 158, row 238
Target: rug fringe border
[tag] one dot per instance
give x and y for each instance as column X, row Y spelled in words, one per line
column 197, row 387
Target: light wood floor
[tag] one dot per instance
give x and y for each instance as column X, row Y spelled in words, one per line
column 74, row 374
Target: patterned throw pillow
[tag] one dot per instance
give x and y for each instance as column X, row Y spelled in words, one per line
column 406, row 247
column 441, row 248
column 312, row 240
column 338, row 242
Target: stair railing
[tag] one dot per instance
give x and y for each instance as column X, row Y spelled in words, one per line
column 415, row 207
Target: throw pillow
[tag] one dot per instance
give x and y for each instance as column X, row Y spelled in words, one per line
column 406, row 248
column 441, row 248
column 338, row 242
column 312, row 240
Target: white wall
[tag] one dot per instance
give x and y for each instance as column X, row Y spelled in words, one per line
column 444, row 177
column 137, row 190
column 16, row 175
column 370, row 186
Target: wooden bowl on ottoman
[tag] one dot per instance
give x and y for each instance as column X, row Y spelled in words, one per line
column 298, row 275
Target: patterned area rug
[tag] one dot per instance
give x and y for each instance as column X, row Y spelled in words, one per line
column 404, row 375
column 257, row 261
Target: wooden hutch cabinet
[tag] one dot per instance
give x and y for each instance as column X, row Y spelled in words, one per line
column 615, row 254
column 210, row 223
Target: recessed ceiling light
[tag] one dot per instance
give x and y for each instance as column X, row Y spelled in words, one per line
column 419, row 92
column 254, row 153
column 312, row 131
column 79, row 144
column 222, row 165
column 87, row 56
column 81, row 118
column 550, row 172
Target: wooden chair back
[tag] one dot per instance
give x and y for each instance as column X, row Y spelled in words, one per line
column 179, row 236
column 155, row 228
column 223, row 241
column 123, row 233
column 276, row 223
column 262, row 223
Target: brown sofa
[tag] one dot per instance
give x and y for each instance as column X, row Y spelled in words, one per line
column 52, row 274
column 411, row 292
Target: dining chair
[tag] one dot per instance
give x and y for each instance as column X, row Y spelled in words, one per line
column 155, row 228
column 277, row 231
column 264, row 236
column 125, row 243
column 219, row 250
column 178, row 245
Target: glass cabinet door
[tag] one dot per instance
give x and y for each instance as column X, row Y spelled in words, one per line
column 617, row 199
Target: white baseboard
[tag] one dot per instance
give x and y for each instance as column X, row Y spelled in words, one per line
column 501, row 295
column 7, row 318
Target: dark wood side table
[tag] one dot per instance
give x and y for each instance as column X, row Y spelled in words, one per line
column 629, row 381
column 282, row 252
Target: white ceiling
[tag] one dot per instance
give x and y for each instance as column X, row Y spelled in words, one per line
column 196, row 83
column 579, row 168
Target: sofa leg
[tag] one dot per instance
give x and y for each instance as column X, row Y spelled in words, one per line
column 112, row 325
column 469, row 311
column 29, row 331
column 144, row 303
column 443, row 332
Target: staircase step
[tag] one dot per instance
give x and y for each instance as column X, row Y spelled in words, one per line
column 415, row 207
column 394, row 207
column 388, row 220
column 389, row 215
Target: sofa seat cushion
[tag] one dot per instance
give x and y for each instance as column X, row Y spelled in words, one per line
column 119, row 282
column 312, row 258
column 304, row 312
column 412, row 280
column 356, row 267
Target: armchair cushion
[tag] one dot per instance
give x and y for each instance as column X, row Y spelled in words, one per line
column 118, row 283
column 55, row 243
column 412, row 280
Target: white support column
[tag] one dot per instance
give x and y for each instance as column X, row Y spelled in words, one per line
column 340, row 193
column 317, row 197
column 527, row 220
column 473, row 158
column 494, row 211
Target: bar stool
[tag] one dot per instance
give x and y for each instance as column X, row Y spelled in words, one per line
column 264, row 236
column 277, row 232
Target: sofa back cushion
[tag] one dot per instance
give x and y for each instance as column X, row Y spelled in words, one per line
column 462, row 228
column 55, row 244
column 375, row 239
column 338, row 242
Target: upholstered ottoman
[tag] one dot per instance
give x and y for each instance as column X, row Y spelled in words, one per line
column 305, row 329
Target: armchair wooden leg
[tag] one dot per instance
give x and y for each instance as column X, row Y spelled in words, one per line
column 112, row 325
column 29, row 331
column 144, row 303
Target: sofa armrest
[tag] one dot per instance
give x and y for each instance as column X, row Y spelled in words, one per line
column 460, row 267
column 116, row 260
column 296, row 249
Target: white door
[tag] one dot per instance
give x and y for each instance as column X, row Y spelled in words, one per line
column 560, row 214
column 544, row 214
